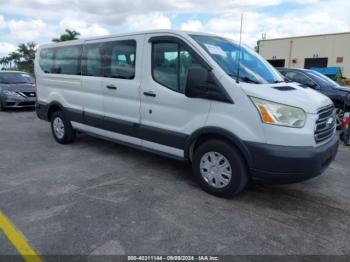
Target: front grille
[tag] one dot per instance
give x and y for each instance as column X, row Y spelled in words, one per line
column 28, row 94
column 325, row 124
column 26, row 104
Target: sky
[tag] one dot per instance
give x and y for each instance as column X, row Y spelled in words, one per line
column 41, row 20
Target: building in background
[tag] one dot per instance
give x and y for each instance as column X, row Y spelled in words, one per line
column 330, row 50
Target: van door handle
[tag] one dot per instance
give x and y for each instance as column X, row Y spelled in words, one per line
column 112, row 87
column 149, row 93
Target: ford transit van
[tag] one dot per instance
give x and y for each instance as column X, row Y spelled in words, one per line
column 191, row 96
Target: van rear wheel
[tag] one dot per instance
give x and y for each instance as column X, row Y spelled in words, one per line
column 62, row 129
column 219, row 168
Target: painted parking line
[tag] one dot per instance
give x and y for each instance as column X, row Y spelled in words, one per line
column 18, row 240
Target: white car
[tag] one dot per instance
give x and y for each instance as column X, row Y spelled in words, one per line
column 191, row 96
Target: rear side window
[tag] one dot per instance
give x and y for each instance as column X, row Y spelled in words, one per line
column 46, row 59
column 92, row 60
column 67, row 60
column 119, row 59
column 170, row 65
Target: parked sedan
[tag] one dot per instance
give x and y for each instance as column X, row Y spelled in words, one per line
column 17, row 90
column 309, row 78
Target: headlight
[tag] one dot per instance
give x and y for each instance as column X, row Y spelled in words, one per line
column 279, row 114
column 11, row 93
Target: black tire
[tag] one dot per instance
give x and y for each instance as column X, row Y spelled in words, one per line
column 347, row 139
column 69, row 132
column 239, row 174
column 1, row 107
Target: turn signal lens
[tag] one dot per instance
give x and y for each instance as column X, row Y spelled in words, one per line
column 266, row 117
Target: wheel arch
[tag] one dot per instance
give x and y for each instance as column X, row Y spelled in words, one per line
column 52, row 108
column 208, row 133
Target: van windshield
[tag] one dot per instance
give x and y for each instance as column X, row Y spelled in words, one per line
column 251, row 66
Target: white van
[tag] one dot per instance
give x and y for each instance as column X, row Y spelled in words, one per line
column 190, row 96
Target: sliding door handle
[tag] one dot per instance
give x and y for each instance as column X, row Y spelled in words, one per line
column 112, row 87
column 149, row 93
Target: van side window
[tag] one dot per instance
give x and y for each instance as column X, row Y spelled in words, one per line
column 170, row 65
column 67, row 60
column 46, row 59
column 165, row 62
column 119, row 59
column 92, row 60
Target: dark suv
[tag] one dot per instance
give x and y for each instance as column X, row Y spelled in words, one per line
column 309, row 78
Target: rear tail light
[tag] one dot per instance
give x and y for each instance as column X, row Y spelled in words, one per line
column 346, row 121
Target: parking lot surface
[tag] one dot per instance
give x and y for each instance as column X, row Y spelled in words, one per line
column 96, row 197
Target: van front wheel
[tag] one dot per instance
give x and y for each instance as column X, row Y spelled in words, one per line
column 219, row 168
column 61, row 128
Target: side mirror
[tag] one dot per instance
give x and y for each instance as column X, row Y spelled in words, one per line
column 197, row 84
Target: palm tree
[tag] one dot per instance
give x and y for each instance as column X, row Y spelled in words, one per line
column 15, row 58
column 68, row 36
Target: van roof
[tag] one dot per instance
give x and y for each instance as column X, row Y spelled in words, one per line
column 165, row 31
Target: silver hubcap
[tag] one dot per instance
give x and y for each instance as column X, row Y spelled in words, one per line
column 339, row 116
column 215, row 169
column 58, row 127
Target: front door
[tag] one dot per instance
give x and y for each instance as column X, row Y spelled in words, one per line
column 167, row 115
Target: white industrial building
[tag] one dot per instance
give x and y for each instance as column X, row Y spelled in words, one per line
column 329, row 50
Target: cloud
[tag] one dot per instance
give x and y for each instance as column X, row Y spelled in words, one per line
column 192, row 25
column 3, row 23
column 82, row 27
column 42, row 20
column 28, row 30
column 150, row 21
column 6, row 48
column 117, row 12
column 316, row 19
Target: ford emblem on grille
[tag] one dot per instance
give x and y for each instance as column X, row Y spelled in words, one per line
column 330, row 122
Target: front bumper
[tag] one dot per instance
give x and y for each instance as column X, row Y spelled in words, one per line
column 288, row 164
column 19, row 102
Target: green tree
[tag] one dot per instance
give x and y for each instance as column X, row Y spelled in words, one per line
column 27, row 54
column 21, row 59
column 68, row 36
column 14, row 58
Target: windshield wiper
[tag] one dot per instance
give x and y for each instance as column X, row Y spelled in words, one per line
column 280, row 81
column 250, row 80
column 246, row 79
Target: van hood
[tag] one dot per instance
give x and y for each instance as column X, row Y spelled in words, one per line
column 289, row 94
column 18, row 87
